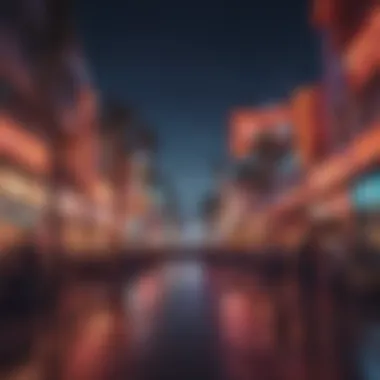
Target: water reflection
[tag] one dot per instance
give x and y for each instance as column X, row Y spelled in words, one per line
column 184, row 345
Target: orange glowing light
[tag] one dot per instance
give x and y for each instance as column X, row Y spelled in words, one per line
column 362, row 57
column 246, row 124
column 23, row 146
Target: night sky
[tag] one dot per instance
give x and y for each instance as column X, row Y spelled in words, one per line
column 184, row 64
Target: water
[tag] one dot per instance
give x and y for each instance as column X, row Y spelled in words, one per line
column 184, row 345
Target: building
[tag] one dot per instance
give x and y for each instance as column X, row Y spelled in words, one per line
column 246, row 124
column 264, row 147
column 50, row 118
column 141, row 195
column 349, row 31
column 349, row 106
column 24, row 165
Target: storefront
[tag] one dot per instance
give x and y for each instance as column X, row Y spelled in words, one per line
column 22, row 200
column 330, row 177
column 25, row 162
column 365, row 273
column 332, row 224
column 23, row 187
column 365, row 196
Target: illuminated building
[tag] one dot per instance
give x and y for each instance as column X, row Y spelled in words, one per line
column 141, row 200
column 264, row 148
column 24, row 165
column 348, row 102
column 349, row 31
column 247, row 124
column 42, row 137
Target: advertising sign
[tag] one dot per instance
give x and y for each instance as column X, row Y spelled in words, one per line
column 246, row 124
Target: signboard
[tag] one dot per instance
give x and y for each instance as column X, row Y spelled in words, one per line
column 246, row 124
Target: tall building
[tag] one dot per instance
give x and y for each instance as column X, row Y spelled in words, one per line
column 344, row 107
column 349, row 31
column 49, row 110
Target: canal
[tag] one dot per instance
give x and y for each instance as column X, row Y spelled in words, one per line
column 185, row 342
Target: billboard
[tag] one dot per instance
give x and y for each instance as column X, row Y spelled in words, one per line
column 246, row 124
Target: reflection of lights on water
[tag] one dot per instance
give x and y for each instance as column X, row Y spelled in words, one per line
column 246, row 319
column 185, row 276
column 141, row 300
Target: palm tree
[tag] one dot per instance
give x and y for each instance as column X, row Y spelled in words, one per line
column 269, row 150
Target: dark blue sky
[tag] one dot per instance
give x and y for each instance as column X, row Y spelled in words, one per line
column 185, row 64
